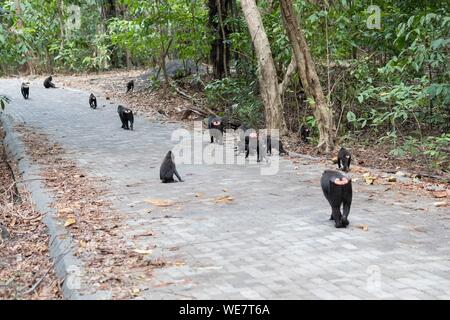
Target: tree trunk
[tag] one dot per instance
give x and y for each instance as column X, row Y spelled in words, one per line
column 220, row 51
column 27, row 67
column 268, row 76
column 128, row 58
column 59, row 5
column 308, row 76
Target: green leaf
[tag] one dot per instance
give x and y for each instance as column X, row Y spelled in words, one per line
column 360, row 99
column 351, row 117
column 311, row 101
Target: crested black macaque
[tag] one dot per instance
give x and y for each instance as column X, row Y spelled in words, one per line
column 344, row 158
column 126, row 115
column 281, row 150
column 260, row 147
column 241, row 130
column 215, row 126
column 229, row 123
column 25, row 89
column 48, row 83
column 93, row 101
column 304, row 133
column 130, row 86
column 337, row 188
column 168, row 169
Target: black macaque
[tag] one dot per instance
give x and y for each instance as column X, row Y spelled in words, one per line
column 48, row 83
column 281, row 150
column 93, row 101
column 337, row 188
column 126, row 115
column 260, row 154
column 304, row 133
column 130, row 86
column 230, row 123
column 242, row 133
column 25, row 89
column 215, row 126
column 344, row 158
column 168, row 169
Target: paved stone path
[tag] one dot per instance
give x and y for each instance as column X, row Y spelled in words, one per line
column 274, row 240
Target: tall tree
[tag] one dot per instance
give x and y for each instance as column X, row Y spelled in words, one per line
column 27, row 66
column 308, row 76
column 59, row 6
column 219, row 10
column 270, row 90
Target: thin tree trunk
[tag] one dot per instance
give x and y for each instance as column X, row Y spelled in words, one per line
column 28, row 66
column 308, row 76
column 162, row 31
column 59, row 5
column 128, row 57
column 220, row 51
column 288, row 75
column 19, row 14
column 224, row 37
column 268, row 76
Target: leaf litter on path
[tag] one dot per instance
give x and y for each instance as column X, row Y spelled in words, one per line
column 224, row 199
column 160, row 202
column 364, row 227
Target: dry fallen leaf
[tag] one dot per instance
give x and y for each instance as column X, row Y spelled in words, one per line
column 141, row 251
column 224, row 199
column 439, row 194
column 440, row 204
column 364, row 227
column 418, row 229
column 147, row 234
column 160, row 203
column 135, row 291
column 369, row 179
column 70, row 222
column 66, row 211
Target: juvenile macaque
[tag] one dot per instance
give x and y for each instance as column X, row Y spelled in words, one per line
column 168, row 169
column 130, row 86
column 93, row 101
column 344, row 158
column 48, row 83
column 215, row 126
column 25, row 89
column 304, row 133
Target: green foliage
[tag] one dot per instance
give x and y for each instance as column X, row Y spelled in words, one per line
column 434, row 149
column 156, row 24
column 3, row 101
column 240, row 95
